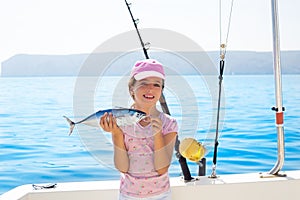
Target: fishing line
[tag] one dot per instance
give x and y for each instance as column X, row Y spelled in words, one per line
column 163, row 103
column 223, row 47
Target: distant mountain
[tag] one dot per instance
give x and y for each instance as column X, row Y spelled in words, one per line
column 42, row 65
column 249, row 62
column 117, row 63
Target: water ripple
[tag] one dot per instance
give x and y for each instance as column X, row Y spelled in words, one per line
column 35, row 146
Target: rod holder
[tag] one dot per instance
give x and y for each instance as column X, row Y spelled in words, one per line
column 202, row 167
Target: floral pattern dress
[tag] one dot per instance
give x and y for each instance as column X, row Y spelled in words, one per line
column 142, row 180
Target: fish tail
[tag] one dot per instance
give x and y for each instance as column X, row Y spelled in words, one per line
column 71, row 123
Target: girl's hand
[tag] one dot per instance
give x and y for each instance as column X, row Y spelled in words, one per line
column 156, row 125
column 109, row 124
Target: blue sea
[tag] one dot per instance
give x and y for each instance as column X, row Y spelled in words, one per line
column 35, row 146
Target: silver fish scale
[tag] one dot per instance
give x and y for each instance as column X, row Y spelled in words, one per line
column 128, row 118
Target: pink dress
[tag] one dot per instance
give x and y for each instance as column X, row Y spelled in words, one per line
column 142, row 180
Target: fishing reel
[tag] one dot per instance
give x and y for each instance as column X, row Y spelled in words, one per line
column 191, row 149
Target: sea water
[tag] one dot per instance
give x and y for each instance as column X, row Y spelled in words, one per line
column 35, row 146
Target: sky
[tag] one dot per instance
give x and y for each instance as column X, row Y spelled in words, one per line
column 79, row 26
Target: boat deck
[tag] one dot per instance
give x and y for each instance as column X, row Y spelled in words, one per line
column 236, row 186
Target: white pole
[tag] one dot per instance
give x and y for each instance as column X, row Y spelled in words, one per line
column 278, row 91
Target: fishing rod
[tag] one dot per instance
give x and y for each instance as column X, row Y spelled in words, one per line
column 135, row 22
column 182, row 161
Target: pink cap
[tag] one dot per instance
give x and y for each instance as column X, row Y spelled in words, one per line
column 147, row 68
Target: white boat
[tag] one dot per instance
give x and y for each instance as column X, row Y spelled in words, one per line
column 237, row 186
column 272, row 185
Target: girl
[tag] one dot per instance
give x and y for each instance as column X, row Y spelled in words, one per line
column 143, row 152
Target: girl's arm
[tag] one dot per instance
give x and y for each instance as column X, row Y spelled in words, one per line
column 163, row 147
column 121, row 160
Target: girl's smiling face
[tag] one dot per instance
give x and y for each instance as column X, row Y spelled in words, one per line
column 147, row 91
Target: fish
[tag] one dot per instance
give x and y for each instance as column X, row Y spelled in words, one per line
column 124, row 116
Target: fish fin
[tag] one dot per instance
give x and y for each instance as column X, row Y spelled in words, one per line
column 71, row 123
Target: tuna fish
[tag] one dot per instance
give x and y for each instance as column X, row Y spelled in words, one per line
column 124, row 116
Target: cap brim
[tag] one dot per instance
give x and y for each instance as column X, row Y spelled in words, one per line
column 146, row 74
